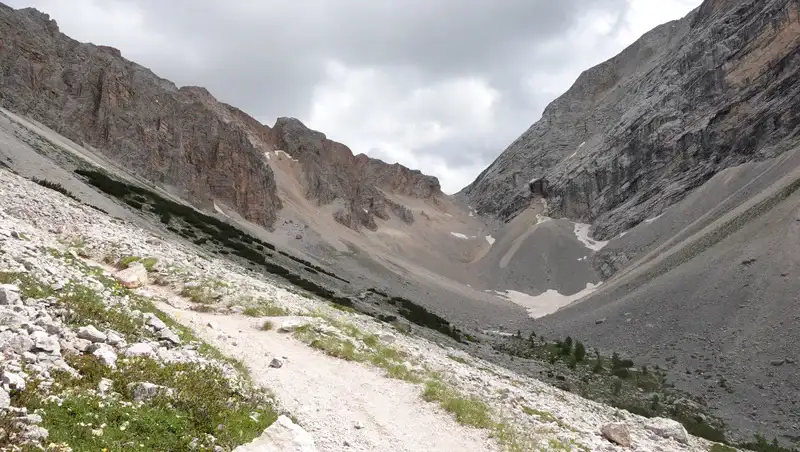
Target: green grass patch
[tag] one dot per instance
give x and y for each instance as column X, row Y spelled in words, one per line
column 467, row 410
column 260, row 307
column 267, row 326
column 205, row 292
column 147, row 262
column 29, row 286
column 201, row 401
column 86, row 307
column 721, row 448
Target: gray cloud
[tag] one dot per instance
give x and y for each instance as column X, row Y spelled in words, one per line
column 414, row 59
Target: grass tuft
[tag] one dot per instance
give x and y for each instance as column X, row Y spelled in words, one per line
column 467, row 410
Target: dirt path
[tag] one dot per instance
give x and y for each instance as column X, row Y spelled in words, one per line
column 346, row 406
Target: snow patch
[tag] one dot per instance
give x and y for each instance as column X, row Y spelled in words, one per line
column 216, row 207
column 581, row 145
column 650, row 220
column 365, row 210
column 582, row 258
column 279, row 153
column 542, row 219
column 471, row 214
column 490, row 239
column 548, row 302
column 622, row 234
column 459, row 235
column 582, row 233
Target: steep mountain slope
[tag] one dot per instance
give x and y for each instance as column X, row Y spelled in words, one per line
column 634, row 134
column 682, row 151
column 183, row 139
column 380, row 223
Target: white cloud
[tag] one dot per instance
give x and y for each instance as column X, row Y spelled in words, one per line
column 434, row 86
column 389, row 114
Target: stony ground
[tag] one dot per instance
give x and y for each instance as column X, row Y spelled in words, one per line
column 112, row 337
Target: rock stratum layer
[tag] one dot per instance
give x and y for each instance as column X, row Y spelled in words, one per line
column 636, row 133
column 183, row 139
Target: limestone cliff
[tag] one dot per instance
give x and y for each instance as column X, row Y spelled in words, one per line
column 634, row 134
column 173, row 137
column 184, row 139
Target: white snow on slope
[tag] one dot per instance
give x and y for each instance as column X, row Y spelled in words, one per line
column 548, row 302
column 490, row 239
column 459, row 235
column 542, row 219
column 279, row 153
column 582, row 233
column 216, row 207
column 650, row 220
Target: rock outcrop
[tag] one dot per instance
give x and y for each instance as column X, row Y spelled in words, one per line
column 634, row 134
column 173, row 137
column 183, row 139
column 332, row 173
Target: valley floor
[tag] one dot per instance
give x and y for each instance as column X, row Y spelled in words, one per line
column 352, row 383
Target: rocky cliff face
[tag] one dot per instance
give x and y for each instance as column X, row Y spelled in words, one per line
column 183, row 138
column 173, row 137
column 331, row 172
column 634, row 134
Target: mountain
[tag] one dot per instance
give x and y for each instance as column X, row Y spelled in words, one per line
column 636, row 133
column 682, row 154
column 651, row 213
column 183, row 139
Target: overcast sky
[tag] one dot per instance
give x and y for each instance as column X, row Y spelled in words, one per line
column 438, row 85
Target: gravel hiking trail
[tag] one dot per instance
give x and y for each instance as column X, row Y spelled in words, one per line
column 345, row 406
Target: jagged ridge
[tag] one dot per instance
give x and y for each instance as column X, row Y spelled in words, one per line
column 634, row 134
column 183, row 139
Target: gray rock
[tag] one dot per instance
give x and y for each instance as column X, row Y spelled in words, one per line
column 105, row 385
column 35, row 434
column 387, row 338
column 81, row 345
column 169, row 335
column 276, row 363
column 48, row 325
column 13, row 380
column 155, row 322
column 33, row 419
column 91, row 333
column 144, row 391
column 5, row 399
column 777, row 362
column 140, row 349
column 283, row 435
column 9, row 295
column 114, row 338
column 106, row 355
column 132, row 277
column 617, row 433
column 289, row 325
column 667, row 428
column 45, row 342
column 20, row 344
